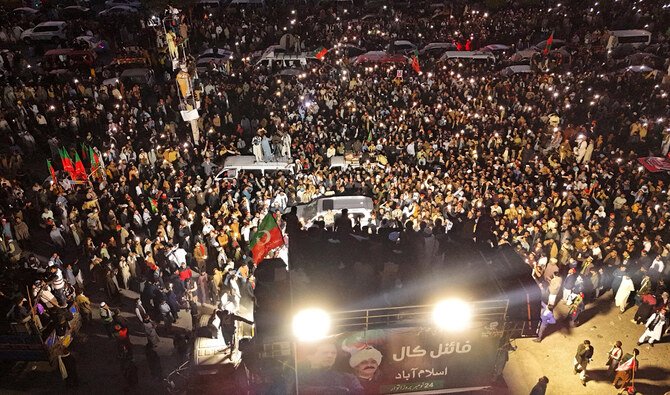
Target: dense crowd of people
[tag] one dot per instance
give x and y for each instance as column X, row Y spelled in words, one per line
column 544, row 162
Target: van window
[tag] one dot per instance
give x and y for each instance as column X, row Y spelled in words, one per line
column 633, row 39
column 328, row 204
column 311, row 210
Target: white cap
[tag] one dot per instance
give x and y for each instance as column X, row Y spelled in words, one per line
column 103, row 304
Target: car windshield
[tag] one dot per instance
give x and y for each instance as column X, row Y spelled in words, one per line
column 309, row 211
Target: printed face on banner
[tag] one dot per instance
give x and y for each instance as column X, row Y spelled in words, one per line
column 398, row 360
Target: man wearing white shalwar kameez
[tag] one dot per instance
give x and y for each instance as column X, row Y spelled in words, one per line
column 622, row 295
column 654, row 331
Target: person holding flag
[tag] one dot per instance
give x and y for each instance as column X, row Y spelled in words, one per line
column 67, row 163
column 320, row 53
column 267, row 237
column 625, row 373
column 415, row 62
column 547, row 46
column 52, row 172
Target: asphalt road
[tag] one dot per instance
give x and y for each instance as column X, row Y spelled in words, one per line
column 603, row 325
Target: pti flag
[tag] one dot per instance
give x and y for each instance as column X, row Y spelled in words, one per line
column 267, row 237
column 52, row 172
column 415, row 62
column 67, row 162
column 320, row 53
column 550, row 41
column 79, row 170
column 629, row 364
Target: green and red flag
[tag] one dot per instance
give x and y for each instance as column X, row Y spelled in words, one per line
column 52, row 172
column 95, row 162
column 79, row 169
column 320, row 53
column 154, row 204
column 267, row 237
column 415, row 62
column 550, row 41
column 67, row 163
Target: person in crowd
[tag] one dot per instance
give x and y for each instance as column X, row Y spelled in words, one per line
column 68, row 369
column 655, row 327
column 540, row 388
column 625, row 372
column 107, row 317
column 614, row 356
column 582, row 360
column 547, row 317
column 154, row 361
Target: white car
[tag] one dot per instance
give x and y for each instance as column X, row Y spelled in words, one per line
column 118, row 10
column 218, row 56
column 129, row 3
column 47, row 31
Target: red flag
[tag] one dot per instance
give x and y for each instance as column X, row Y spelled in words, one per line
column 321, row 53
column 52, row 172
column 67, row 163
column 547, row 47
column 79, row 170
column 629, row 364
column 468, row 45
column 267, row 237
column 415, row 62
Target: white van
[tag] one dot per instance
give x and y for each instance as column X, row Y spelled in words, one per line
column 276, row 55
column 327, row 208
column 635, row 38
column 234, row 164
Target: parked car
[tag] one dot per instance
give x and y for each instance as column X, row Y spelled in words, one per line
column 328, row 208
column 555, row 44
column 53, row 31
column 68, row 59
column 74, row 12
column 437, row 49
column 347, row 50
column 498, row 50
column 25, row 13
column 213, row 57
column 380, row 57
column 403, row 47
column 118, row 10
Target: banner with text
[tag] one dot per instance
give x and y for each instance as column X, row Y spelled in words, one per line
column 399, row 360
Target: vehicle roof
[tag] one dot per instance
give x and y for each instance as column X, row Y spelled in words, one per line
column 439, row 44
column 467, row 55
column 68, row 51
column 120, row 7
column 379, row 56
column 27, row 9
column 347, row 201
column 249, row 162
column 52, row 23
column 135, row 72
column 493, row 47
column 220, row 52
column 632, row 32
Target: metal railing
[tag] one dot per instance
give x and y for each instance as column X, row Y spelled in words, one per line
column 357, row 320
